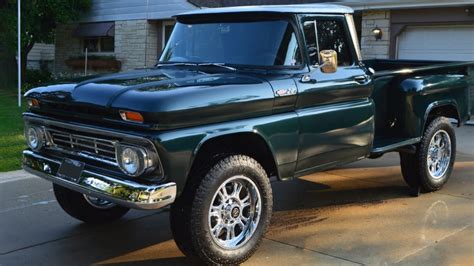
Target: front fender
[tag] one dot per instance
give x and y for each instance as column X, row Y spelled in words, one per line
column 178, row 148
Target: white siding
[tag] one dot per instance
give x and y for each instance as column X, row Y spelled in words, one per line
column 115, row 10
column 41, row 51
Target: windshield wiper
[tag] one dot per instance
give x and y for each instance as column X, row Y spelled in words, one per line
column 221, row 65
column 175, row 64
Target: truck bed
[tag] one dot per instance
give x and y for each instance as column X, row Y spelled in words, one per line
column 404, row 90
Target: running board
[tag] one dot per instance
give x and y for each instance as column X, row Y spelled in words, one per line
column 394, row 146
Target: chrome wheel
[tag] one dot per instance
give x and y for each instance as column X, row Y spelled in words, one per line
column 234, row 212
column 99, row 203
column 439, row 154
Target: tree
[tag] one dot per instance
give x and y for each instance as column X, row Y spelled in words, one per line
column 39, row 19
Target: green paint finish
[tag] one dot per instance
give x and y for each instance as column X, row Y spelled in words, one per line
column 405, row 92
column 308, row 124
column 179, row 147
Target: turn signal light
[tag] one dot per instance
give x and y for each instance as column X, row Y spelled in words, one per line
column 131, row 116
column 33, row 103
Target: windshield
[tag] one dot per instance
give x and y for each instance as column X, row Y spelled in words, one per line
column 251, row 43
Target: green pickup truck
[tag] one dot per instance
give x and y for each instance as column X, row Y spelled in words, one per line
column 240, row 95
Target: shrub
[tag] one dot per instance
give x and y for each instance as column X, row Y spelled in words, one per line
column 35, row 78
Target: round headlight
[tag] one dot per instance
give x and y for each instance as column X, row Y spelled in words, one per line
column 134, row 160
column 130, row 161
column 34, row 138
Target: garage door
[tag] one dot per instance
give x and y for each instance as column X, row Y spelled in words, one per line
column 451, row 43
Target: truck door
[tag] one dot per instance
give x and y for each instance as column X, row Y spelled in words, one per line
column 336, row 115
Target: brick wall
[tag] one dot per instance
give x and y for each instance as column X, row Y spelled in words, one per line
column 371, row 48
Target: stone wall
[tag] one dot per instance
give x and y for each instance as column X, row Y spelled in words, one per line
column 160, row 33
column 66, row 46
column 153, row 43
column 137, row 44
column 370, row 47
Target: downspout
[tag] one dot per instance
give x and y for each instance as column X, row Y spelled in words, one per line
column 146, row 34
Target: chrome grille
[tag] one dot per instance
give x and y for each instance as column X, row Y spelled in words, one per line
column 83, row 145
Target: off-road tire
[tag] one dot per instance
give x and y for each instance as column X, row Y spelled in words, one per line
column 75, row 204
column 180, row 211
column 179, row 223
column 414, row 166
column 200, row 239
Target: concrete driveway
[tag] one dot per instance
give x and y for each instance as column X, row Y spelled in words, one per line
column 360, row 214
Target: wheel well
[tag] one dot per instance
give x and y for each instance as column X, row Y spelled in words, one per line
column 449, row 111
column 249, row 144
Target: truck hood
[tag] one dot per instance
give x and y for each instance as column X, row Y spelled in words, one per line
column 167, row 98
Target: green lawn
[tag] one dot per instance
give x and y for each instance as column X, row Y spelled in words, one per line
column 11, row 131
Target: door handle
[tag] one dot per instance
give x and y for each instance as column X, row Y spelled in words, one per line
column 361, row 79
column 307, row 79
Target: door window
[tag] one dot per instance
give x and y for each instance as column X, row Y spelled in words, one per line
column 327, row 34
column 310, row 33
column 332, row 35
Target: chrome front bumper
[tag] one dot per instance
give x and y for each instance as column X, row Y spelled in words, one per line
column 122, row 192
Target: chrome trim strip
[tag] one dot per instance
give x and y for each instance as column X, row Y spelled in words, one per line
column 353, row 33
column 121, row 192
column 74, row 146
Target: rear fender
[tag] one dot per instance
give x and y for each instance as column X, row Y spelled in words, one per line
column 423, row 94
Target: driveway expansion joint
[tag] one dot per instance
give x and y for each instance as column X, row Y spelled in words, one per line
column 434, row 243
column 312, row 250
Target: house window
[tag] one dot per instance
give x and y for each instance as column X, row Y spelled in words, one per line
column 167, row 29
column 98, row 44
column 97, row 37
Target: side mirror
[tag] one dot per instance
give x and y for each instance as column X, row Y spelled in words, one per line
column 328, row 61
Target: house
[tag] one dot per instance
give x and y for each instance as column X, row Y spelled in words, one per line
column 118, row 35
column 411, row 29
column 134, row 32
column 123, row 35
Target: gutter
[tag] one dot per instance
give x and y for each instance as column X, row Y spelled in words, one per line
column 386, row 5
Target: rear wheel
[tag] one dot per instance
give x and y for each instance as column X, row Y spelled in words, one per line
column 87, row 208
column 431, row 166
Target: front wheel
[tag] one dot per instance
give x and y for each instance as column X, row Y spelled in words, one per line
column 431, row 166
column 230, row 211
column 87, row 208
